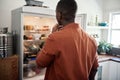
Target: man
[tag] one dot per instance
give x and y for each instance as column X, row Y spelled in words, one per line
column 68, row 53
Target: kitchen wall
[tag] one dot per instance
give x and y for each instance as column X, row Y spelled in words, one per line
column 110, row 6
column 5, row 11
column 91, row 7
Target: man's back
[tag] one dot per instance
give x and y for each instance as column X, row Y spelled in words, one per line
column 75, row 54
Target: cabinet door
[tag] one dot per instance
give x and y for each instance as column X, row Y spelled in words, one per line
column 113, row 70
column 118, row 71
column 99, row 73
column 103, row 71
column 109, row 70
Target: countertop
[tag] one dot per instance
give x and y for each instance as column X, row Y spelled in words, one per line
column 105, row 57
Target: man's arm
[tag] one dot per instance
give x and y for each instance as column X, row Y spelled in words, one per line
column 94, row 69
column 92, row 74
column 47, row 54
column 57, row 27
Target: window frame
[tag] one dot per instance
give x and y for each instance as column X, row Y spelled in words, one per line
column 112, row 29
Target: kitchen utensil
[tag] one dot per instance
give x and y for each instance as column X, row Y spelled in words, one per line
column 5, row 45
column 4, row 30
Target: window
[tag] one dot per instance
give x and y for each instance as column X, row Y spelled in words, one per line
column 115, row 29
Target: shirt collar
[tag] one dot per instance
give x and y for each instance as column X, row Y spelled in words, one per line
column 69, row 26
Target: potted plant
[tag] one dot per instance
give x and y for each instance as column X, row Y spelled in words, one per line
column 104, row 47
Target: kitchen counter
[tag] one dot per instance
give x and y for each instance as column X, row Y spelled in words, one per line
column 105, row 57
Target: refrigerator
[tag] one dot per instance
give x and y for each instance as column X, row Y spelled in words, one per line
column 31, row 25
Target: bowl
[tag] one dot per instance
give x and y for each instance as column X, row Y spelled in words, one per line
column 102, row 24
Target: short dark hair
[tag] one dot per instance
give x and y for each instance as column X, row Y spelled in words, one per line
column 68, row 8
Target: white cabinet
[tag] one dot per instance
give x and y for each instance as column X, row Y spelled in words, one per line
column 103, row 71
column 109, row 70
column 118, row 71
column 113, row 70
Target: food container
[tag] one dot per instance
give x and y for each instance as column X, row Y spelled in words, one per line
column 28, row 27
column 34, row 48
column 37, row 36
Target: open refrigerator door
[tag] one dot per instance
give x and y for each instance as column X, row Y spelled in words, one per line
column 31, row 26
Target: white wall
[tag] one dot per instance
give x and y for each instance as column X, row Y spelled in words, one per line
column 110, row 6
column 91, row 7
column 5, row 11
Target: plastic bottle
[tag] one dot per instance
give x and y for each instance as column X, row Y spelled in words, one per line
column 96, row 20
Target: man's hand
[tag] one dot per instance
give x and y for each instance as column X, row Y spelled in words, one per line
column 55, row 28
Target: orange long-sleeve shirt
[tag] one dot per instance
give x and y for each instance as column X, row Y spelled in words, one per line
column 68, row 54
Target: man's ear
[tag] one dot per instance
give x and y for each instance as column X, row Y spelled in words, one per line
column 60, row 15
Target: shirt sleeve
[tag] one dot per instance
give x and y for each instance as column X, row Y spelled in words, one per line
column 47, row 54
column 95, row 64
column 94, row 69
